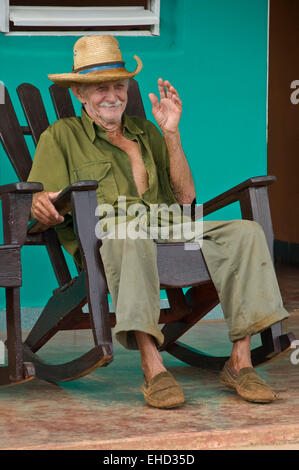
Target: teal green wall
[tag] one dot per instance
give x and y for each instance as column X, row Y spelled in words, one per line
column 215, row 53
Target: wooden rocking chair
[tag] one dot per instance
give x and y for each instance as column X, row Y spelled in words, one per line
column 178, row 268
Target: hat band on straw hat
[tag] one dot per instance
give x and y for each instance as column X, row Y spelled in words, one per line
column 96, row 67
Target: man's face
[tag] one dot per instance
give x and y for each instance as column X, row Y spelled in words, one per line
column 105, row 102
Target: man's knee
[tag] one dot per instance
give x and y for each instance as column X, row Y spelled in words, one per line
column 137, row 246
column 248, row 228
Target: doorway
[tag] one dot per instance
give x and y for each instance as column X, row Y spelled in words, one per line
column 283, row 127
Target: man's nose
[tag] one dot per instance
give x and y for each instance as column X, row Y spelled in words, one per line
column 111, row 96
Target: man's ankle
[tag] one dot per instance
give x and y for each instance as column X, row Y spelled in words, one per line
column 151, row 371
column 236, row 365
column 240, row 356
column 151, row 360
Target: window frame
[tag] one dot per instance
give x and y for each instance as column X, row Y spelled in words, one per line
column 151, row 18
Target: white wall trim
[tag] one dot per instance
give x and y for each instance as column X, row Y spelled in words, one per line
column 56, row 16
column 4, row 16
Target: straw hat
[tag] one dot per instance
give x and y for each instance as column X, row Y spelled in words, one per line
column 96, row 59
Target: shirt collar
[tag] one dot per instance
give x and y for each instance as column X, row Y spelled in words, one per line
column 91, row 128
column 88, row 124
column 131, row 126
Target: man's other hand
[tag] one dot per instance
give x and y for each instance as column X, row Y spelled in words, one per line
column 43, row 210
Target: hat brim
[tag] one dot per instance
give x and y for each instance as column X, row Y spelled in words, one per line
column 67, row 79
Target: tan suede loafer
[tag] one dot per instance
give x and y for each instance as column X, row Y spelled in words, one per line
column 163, row 391
column 247, row 384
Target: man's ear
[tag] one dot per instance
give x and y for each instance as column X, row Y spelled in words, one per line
column 76, row 89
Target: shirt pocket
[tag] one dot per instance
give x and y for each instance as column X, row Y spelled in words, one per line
column 102, row 172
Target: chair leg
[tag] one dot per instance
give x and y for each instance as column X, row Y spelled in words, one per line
column 14, row 338
column 275, row 341
column 17, row 371
column 61, row 307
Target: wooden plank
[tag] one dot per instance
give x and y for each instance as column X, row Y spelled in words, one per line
column 135, row 105
column 71, row 370
column 196, row 358
column 84, row 210
column 62, row 101
column 6, row 379
column 34, row 109
column 62, row 303
column 200, row 300
column 37, row 119
column 178, row 267
column 56, row 256
column 14, row 334
column 13, row 141
column 234, row 194
column 20, row 188
column 179, row 307
column 254, row 205
column 10, row 267
column 16, row 211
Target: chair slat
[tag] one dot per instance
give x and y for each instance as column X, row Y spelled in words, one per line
column 38, row 122
column 62, row 101
column 34, row 109
column 13, row 139
column 135, row 105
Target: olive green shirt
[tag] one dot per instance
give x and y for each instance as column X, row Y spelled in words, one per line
column 75, row 149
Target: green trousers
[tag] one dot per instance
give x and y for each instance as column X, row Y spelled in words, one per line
column 240, row 265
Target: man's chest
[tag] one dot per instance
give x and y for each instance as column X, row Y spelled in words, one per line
column 133, row 152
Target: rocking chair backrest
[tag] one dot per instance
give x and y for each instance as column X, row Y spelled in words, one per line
column 34, row 109
column 12, row 137
column 135, row 105
column 12, row 134
column 62, row 101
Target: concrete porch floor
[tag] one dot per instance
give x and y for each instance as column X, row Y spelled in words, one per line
column 106, row 409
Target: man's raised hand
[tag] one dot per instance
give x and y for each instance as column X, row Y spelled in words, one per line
column 168, row 111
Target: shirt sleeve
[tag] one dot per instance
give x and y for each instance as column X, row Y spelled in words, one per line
column 50, row 168
column 49, row 165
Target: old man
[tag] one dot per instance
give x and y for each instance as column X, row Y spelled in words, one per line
column 131, row 157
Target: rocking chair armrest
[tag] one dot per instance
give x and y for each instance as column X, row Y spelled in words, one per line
column 234, row 194
column 21, row 188
column 63, row 202
column 16, row 203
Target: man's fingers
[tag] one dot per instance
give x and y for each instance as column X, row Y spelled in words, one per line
column 167, row 90
column 43, row 209
column 52, row 212
column 161, row 88
column 177, row 100
column 171, row 91
column 154, row 99
column 52, row 195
